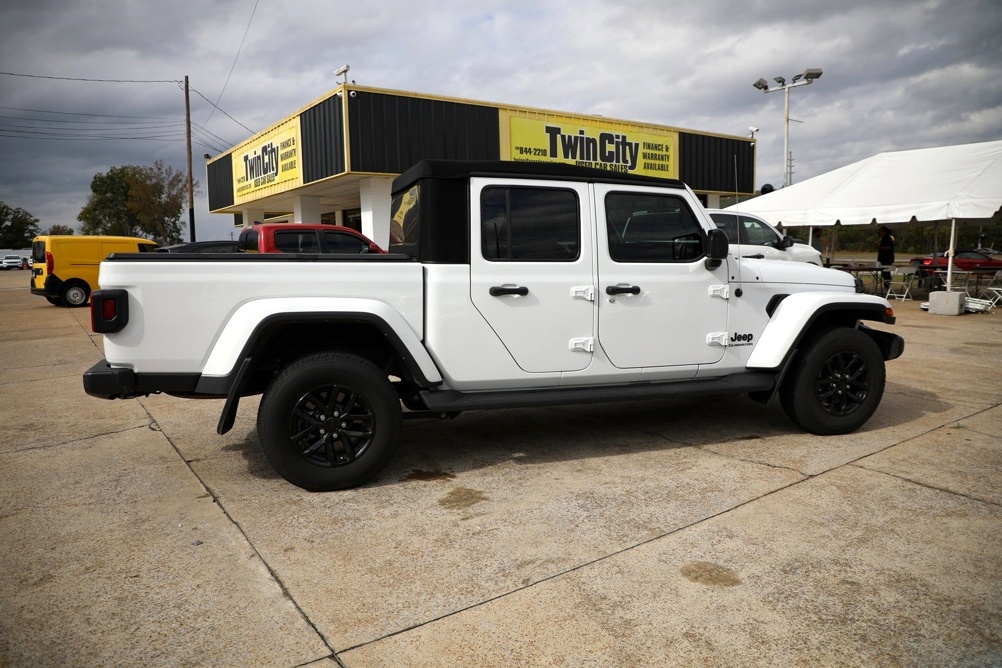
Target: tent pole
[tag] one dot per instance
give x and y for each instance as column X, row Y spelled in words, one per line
column 949, row 254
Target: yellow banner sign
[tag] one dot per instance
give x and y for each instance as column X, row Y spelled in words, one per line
column 616, row 147
column 271, row 160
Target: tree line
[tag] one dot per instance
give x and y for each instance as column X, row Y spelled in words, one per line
column 126, row 201
column 909, row 238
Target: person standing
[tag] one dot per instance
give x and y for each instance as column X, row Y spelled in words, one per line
column 885, row 253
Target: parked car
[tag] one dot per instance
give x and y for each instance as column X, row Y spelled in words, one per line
column 304, row 238
column 964, row 260
column 202, row 247
column 26, row 263
column 750, row 236
column 11, row 262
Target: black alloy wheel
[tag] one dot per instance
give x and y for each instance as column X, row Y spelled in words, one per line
column 331, row 426
column 329, row 421
column 835, row 383
column 843, row 384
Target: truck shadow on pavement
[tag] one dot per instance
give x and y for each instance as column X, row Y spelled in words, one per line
column 481, row 440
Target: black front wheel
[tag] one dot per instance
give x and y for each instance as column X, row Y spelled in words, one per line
column 835, row 383
column 329, row 421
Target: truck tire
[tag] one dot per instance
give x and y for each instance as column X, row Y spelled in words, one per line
column 835, row 383
column 55, row 301
column 329, row 421
column 74, row 293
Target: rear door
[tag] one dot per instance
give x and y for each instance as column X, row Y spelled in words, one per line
column 532, row 274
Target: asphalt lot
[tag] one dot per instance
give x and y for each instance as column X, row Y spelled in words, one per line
column 644, row 534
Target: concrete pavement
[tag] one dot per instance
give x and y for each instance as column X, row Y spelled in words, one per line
column 646, row 534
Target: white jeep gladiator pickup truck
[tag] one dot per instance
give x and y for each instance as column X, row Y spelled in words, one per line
column 508, row 284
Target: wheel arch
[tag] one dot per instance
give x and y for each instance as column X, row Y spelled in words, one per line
column 798, row 315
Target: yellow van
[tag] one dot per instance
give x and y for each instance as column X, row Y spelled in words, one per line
column 65, row 267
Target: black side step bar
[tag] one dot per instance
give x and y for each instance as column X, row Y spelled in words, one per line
column 452, row 400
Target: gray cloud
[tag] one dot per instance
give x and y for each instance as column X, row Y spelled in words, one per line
column 898, row 74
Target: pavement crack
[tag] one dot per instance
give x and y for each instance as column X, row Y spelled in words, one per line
column 255, row 552
column 927, row 485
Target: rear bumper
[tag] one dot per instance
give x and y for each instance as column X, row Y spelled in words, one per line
column 107, row 382
column 51, row 287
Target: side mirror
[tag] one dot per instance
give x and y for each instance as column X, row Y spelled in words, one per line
column 717, row 248
column 787, row 241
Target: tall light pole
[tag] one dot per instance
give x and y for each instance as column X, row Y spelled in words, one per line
column 804, row 79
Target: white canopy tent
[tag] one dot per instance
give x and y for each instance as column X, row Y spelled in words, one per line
column 930, row 184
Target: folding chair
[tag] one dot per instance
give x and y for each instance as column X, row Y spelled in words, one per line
column 992, row 291
column 900, row 287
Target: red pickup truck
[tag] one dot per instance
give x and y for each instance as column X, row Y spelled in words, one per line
column 304, row 238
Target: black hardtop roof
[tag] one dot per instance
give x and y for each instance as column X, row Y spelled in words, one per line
column 463, row 169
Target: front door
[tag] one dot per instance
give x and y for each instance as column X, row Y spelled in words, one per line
column 658, row 303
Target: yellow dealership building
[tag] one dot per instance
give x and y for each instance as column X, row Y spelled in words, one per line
column 334, row 160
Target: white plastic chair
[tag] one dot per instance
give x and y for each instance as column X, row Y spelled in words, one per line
column 900, row 287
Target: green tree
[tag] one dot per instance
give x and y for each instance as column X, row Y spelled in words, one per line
column 157, row 197
column 137, row 201
column 60, row 229
column 17, row 227
column 107, row 209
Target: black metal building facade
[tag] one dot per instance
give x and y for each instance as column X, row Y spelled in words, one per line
column 362, row 131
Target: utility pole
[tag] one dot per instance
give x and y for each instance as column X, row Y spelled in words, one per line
column 191, row 187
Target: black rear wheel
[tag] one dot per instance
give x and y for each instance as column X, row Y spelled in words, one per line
column 835, row 383
column 329, row 421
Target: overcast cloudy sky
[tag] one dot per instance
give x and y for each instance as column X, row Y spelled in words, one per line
column 898, row 74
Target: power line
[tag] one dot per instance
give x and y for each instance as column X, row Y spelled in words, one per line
column 70, row 126
column 39, row 76
column 235, row 58
column 180, row 84
column 221, row 111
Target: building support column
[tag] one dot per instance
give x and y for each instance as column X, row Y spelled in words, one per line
column 375, row 198
column 306, row 210
column 252, row 216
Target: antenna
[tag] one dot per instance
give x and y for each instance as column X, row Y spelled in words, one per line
column 737, row 226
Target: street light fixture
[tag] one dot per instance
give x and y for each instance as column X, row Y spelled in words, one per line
column 805, row 78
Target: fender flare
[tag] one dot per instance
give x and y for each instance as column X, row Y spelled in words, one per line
column 247, row 323
column 796, row 314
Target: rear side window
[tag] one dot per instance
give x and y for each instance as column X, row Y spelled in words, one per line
column 296, row 241
column 248, row 241
column 529, row 224
column 643, row 227
column 342, row 242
